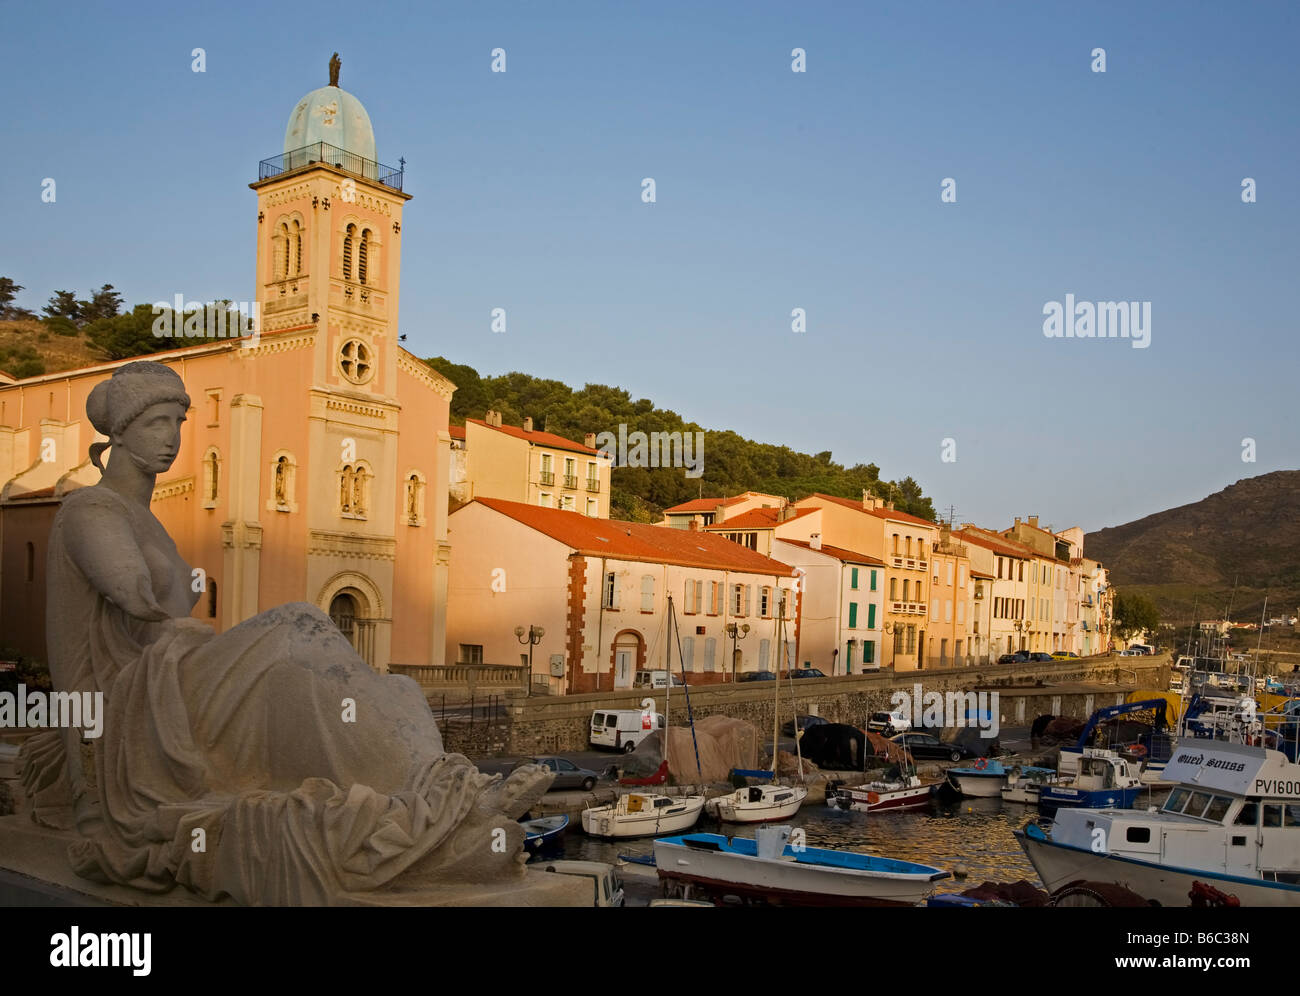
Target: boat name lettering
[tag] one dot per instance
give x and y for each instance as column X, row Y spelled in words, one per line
column 1213, row 762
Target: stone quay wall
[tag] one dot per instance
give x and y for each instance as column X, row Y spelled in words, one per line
column 552, row 724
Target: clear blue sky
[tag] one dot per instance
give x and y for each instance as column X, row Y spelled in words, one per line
column 776, row 190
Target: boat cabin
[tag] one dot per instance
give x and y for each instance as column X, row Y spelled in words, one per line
column 1100, row 770
column 1235, row 811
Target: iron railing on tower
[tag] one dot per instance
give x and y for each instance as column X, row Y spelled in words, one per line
column 331, row 155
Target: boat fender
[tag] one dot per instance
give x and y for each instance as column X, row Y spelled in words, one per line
column 981, row 764
column 1137, row 750
column 873, row 798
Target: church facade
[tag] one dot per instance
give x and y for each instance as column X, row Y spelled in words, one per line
column 314, row 461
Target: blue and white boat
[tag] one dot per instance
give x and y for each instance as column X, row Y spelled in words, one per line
column 1103, row 779
column 772, row 871
column 1231, row 824
column 982, row 780
column 544, row 832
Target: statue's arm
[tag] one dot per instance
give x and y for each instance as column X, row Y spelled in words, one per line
column 103, row 547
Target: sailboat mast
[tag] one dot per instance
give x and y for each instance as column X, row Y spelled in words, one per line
column 776, row 692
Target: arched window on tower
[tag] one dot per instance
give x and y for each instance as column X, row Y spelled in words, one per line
column 363, row 251
column 347, row 251
column 354, row 490
column 280, row 248
column 415, row 498
column 297, row 249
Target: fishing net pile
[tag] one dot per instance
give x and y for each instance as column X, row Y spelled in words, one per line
column 724, row 743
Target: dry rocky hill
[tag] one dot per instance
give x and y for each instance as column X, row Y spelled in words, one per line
column 1248, row 533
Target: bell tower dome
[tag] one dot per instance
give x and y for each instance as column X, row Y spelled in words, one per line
column 329, row 226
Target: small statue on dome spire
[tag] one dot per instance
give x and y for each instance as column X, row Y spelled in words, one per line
column 335, row 65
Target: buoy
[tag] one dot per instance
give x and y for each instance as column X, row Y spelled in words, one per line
column 959, row 870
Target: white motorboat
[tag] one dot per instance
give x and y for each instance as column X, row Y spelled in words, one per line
column 643, row 814
column 757, row 804
column 770, row 870
column 899, row 793
column 1232, row 824
column 1026, row 783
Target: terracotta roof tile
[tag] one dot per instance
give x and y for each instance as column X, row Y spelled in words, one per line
column 702, row 505
column 537, row 438
column 638, row 541
column 880, row 513
column 758, row 518
column 839, row 553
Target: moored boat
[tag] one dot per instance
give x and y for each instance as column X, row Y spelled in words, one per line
column 770, row 870
column 643, row 814
column 898, row 793
column 1232, row 824
column 544, row 832
column 757, row 804
column 1103, row 779
column 982, row 780
column 1026, row 783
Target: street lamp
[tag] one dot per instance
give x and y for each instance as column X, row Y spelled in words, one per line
column 737, row 633
column 531, row 636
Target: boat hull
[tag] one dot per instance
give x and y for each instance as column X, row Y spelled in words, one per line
column 1059, row 865
column 860, row 799
column 1060, row 797
column 728, row 810
column 785, row 881
column 604, row 822
column 978, row 786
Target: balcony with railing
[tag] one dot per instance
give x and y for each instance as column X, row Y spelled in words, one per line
column 546, row 477
column 593, row 484
column 329, row 155
column 571, row 480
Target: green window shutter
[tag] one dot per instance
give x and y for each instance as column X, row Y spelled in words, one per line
column 853, row 579
column 869, row 650
column 873, row 580
column 849, row 661
column 853, row 615
column 871, row 616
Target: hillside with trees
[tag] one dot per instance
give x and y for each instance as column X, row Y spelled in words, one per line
column 731, row 462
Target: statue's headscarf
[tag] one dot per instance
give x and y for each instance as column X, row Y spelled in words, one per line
column 116, row 403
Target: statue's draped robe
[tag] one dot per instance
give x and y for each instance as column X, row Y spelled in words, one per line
column 243, row 736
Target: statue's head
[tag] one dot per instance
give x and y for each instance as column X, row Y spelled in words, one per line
column 140, row 409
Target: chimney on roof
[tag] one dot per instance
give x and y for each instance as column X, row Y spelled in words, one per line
column 493, row 418
column 1033, row 521
column 869, row 501
column 1017, row 521
column 528, row 423
column 589, row 440
column 889, row 505
column 815, row 541
column 693, row 525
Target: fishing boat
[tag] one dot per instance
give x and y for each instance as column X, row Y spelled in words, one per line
column 1103, row 778
column 643, row 814
column 1232, row 824
column 904, row 792
column 982, row 780
column 770, row 870
column 544, row 832
column 764, row 803
column 1025, row 784
column 757, row 804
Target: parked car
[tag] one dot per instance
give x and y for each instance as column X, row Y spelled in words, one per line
column 1040, row 658
column 889, row 723
column 806, row 672
column 567, row 774
column 804, row 723
column 1019, row 657
column 757, row 676
column 1142, row 649
column 926, row 746
column 606, row 885
column 1064, row 655
column 622, row 729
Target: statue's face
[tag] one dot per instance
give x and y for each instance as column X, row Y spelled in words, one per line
column 154, row 438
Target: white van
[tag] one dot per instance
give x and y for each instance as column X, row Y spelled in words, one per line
column 623, row 729
column 1144, row 649
column 655, row 679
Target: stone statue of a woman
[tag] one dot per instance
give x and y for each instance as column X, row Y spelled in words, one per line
column 268, row 762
